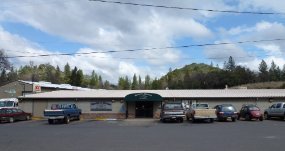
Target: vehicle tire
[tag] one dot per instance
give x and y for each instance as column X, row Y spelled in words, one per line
column 220, row 119
column 78, row 118
column 11, row 120
column 211, row 120
column 181, row 120
column 193, row 119
column 187, row 118
column 66, row 120
column 50, row 121
column 260, row 118
column 266, row 116
column 247, row 117
column 233, row 119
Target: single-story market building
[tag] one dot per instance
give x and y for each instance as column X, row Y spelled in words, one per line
column 121, row 104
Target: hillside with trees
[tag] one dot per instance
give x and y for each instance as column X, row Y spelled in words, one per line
column 193, row 76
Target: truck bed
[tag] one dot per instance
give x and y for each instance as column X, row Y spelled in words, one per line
column 205, row 113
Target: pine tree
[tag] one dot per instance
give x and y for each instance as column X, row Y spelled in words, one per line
column 263, row 71
column 79, row 77
column 58, row 78
column 273, row 72
column 147, row 82
column 67, row 74
column 140, row 83
column 231, row 65
column 135, row 83
column 73, row 76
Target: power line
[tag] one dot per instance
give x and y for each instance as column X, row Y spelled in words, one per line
column 188, row 8
column 148, row 49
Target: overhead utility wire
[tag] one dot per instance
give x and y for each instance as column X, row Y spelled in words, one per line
column 147, row 49
column 188, row 8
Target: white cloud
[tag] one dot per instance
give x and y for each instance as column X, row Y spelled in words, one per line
column 257, row 5
column 221, row 53
column 103, row 27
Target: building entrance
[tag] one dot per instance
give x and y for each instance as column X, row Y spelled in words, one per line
column 144, row 109
column 143, row 104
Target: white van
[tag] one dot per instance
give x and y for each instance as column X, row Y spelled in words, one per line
column 9, row 103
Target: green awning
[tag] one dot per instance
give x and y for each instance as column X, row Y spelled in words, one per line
column 143, row 97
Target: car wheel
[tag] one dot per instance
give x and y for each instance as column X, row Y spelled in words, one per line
column 260, row 118
column 193, row 120
column 181, row 120
column 247, row 117
column 211, row 120
column 50, row 121
column 67, row 120
column 233, row 119
column 11, row 120
column 266, row 116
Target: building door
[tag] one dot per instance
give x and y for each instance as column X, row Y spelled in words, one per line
column 144, row 109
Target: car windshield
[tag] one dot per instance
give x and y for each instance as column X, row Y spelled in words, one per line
column 61, row 106
column 228, row 108
column 173, row 106
column 253, row 108
column 201, row 106
column 6, row 104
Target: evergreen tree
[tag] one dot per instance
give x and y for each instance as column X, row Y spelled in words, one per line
column 93, row 81
column 101, row 84
column 273, row 72
column 135, row 83
column 263, row 71
column 73, row 76
column 121, row 83
column 106, row 85
column 58, row 78
column 3, row 77
column 147, row 82
column 79, row 78
column 230, row 65
column 67, row 73
column 127, row 85
column 140, row 83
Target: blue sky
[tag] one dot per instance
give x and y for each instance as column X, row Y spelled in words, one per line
column 73, row 26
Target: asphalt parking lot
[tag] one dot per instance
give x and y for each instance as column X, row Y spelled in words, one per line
column 143, row 135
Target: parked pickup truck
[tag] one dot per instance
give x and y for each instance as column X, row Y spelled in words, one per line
column 201, row 111
column 275, row 110
column 172, row 111
column 63, row 113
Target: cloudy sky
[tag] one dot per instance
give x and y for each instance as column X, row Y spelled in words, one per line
column 36, row 27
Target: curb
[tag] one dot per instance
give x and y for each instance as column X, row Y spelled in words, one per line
column 37, row 118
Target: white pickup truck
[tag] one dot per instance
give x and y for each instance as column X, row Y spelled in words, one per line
column 201, row 111
column 275, row 110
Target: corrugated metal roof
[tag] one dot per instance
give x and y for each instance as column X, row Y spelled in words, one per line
column 57, row 86
column 222, row 93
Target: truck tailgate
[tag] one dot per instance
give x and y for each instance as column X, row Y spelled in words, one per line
column 53, row 113
column 205, row 113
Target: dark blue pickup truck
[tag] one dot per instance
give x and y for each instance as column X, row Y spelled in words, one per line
column 62, row 112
